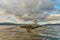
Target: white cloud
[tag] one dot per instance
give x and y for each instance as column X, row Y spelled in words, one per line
column 53, row 17
column 34, row 7
column 53, row 22
column 9, row 18
column 6, row 17
column 37, row 9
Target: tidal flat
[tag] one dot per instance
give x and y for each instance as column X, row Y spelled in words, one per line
column 13, row 32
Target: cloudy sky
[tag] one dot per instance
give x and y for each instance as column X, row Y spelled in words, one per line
column 47, row 11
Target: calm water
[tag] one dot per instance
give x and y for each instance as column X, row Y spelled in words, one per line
column 53, row 31
column 50, row 31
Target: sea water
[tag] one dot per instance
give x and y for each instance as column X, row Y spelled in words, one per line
column 52, row 31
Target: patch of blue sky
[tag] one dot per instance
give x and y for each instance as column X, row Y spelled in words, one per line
column 58, row 5
column 53, row 12
column 50, row 13
column 11, row 19
column 54, row 0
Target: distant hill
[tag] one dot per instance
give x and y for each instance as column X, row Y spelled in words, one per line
column 10, row 24
column 50, row 24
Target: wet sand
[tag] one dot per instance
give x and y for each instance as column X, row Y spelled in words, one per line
column 17, row 33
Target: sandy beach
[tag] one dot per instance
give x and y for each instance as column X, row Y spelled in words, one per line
column 17, row 33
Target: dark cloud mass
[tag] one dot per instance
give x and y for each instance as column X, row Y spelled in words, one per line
column 36, row 8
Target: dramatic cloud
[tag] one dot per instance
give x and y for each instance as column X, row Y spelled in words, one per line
column 20, row 11
column 35, row 8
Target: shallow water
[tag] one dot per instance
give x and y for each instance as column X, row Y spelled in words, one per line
column 53, row 31
column 50, row 32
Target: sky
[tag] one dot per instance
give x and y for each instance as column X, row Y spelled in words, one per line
column 21, row 11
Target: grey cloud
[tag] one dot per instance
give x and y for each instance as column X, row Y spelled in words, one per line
column 36, row 8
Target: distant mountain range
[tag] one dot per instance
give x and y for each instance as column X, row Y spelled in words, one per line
column 53, row 24
column 21, row 24
column 10, row 24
